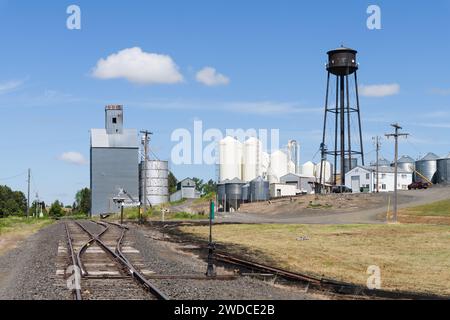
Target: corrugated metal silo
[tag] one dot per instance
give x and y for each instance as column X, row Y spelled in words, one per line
column 427, row 166
column 233, row 194
column 443, row 170
column 406, row 163
column 259, row 190
column 347, row 162
column 245, row 192
column 157, row 182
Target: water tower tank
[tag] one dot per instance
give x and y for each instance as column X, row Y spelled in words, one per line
column 230, row 159
column 308, row 169
column 342, row 61
column 278, row 166
column 252, row 156
column 443, row 170
column 427, row 166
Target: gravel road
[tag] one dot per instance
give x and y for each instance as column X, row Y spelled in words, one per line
column 29, row 271
column 363, row 215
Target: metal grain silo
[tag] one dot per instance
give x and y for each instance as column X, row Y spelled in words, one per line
column 259, row 190
column 233, row 194
column 427, row 167
column 308, row 169
column 443, row 170
column 406, row 163
column 157, row 182
column 327, row 172
column 245, row 192
column 350, row 164
column 382, row 162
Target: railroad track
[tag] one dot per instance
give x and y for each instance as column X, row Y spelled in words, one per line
column 323, row 284
column 105, row 271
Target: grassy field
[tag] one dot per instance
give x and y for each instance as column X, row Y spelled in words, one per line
column 15, row 229
column 411, row 257
column 441, row 208
column 433, row 213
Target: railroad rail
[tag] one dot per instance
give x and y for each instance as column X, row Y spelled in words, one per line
column 114, row 264
column 323, row 284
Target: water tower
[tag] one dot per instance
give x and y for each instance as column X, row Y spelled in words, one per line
column 345, row 146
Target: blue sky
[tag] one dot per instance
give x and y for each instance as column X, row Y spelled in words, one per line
column 272, row 52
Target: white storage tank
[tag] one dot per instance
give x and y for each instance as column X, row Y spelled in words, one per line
column 278, row 166
column 230, row 159
column 265, row 164
column 251, row 159
column 308, row 169
column 327, row 172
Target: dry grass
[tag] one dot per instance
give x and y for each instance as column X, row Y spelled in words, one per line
column 433, row 213
column 13, row 230
column 411, row 257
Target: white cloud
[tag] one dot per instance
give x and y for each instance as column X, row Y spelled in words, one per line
column 11, row 85
column 73, row 158
column 139, row 67
column 379, row 90
column 210, row 77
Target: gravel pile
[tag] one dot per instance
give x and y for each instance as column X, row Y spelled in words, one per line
column 29, row 271
column 163, row 258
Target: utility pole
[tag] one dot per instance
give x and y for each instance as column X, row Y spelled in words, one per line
column 396, row 135
column 377, row 146
column 28, row 198
column 147, row 135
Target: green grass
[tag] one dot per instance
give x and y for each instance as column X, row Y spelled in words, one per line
column 440, row 208
column 175, row 203
column 206, row 198
column 185, row 216
column 11, row 223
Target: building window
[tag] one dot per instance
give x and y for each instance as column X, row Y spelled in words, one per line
column 367, row 176
column 114, row 120
column 383, row 176
column 383, row 187
column 403, row 176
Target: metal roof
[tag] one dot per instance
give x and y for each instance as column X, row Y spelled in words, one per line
column 430, row 156
column 383, row 169
column 406, row 159
column 100, row 139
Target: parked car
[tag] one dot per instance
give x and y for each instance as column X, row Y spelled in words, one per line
column 341, row 189
column 418, row 185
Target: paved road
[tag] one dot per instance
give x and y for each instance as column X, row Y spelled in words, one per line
column 372, row 216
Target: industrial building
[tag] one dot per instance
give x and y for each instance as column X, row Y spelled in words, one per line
column 364, row 179
column 114, row 162
column 186, row 189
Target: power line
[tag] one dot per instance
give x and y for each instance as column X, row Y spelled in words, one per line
column 396, row 135
column 13, row 177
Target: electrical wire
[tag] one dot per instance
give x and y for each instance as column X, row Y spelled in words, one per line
column 13, row 177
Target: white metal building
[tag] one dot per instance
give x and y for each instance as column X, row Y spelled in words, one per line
column 185, row 190
column 363, row 179
column 283, row 190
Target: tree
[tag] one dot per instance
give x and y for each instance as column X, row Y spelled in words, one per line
column 56, row 209
column 12, row 202
column 82, row 201
column 198, row 184
column 172, row 183
column 209, row 187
